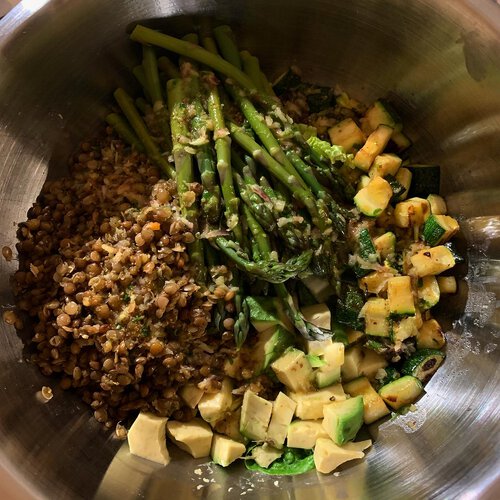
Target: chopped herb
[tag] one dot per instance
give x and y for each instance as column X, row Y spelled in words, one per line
column 138, row 318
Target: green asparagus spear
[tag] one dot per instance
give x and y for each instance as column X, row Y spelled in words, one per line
column 168, row 67
column 129, row 110
column 150, row 67
column 251, row 67
column 223, row 151
column 267, row 270
column 184, row 169
column 258, row 124
column 256, row 200
column 138, row 72
column 303, row 195
column 225, row 40
column 306, row 329
column 123, row 129
column 147, row 35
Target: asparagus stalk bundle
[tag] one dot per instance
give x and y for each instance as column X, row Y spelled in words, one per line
column 271, row 201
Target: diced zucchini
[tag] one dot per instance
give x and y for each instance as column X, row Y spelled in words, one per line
column 364, row 180
column 404, row 329
column 404, row 177
column 354, row 336
column 349, row 305
column 411, row 213
column 439, row 229
column 400, row 297
column 391, row 374
column 426, row 180
column 366, row 247
column 401, row 392
column 381, row 113
column 398, row 190
column 430, row 335
column 423, row 364
column 373, row 405
column 386, row 245
column 418, row 318
column 374, row 198
column 376, row 281
column 294, row 370
column 374, row 145
column 453, row 249
column 432, row 261
column 401, row 141
column 447, row 284
column 385, row 164
column 376, row 314
column 437, row 203
column 428, row 292
column 347, row 134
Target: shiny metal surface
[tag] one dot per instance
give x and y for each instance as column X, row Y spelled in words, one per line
column 59, row 60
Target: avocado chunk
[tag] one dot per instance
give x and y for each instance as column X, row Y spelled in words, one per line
column 304, row 433
column 294, row 370
column 270, row 346
column 213, row 406
column 317, row 347
column 361, row 361
column 328, row 455
column 401, row 392
column 191, row 395
column 265, row 455
column 195, row 436
column 343, row 419
column 319, row 315
column 283, row 411
column 146, row 438
column 310, row 405
column 255, row 416
column 230, row 426
column 266, row 312
column 329, row 374
column 373, row 405
column 225, row 450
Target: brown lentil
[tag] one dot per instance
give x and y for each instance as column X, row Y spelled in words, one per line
column 104, row 273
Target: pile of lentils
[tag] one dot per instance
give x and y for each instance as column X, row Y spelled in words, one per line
column 105, row 277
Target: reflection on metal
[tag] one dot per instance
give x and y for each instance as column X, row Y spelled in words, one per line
column 59, row 62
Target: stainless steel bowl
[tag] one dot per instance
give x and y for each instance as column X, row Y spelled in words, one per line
column 59, row 61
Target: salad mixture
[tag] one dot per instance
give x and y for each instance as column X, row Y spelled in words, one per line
column 250, row 268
